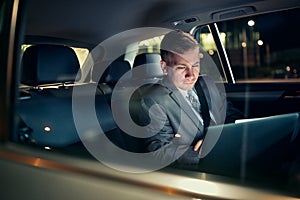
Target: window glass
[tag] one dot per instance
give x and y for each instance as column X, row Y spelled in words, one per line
column 264, row 47
column 210, row 63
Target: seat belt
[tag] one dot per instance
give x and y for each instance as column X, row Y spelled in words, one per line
column 204, row 106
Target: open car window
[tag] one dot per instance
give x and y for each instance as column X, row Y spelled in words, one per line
column 76, row 97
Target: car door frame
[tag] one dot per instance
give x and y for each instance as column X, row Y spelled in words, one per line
column 9, row 63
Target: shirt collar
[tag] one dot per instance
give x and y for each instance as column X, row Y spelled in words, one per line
column 183, row 92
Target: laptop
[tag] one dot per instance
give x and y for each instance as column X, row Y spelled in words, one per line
column 248, row 145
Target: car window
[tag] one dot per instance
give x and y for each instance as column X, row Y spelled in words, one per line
column 66, row 125
column 264, row 47
column 66, row 117
column 209, row 49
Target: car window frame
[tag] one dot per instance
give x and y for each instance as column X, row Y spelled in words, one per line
column 222, row 54
column 10, row 66
column 11, row 29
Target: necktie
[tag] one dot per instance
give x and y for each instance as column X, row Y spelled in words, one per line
column 194, row 101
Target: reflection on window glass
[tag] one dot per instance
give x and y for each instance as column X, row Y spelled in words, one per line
column 264, row 47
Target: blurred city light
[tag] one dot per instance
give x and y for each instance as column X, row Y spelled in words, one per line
column 260, row 42
column 251, row 23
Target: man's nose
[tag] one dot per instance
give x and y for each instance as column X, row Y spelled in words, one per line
column 189, row 71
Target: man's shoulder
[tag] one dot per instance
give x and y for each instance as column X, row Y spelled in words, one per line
column 154, row 89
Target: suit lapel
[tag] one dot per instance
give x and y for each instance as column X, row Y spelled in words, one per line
column 181, row 102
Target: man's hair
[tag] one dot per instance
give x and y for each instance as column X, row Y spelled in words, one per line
column 176, row 42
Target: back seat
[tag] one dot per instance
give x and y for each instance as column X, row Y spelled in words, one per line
column 45, row 107
column 149, row 64
column 111, row 75
column 146, row 69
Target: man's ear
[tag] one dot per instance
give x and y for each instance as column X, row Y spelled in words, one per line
column 163, row 66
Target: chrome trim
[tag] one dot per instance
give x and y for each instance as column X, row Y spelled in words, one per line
column 225, row 54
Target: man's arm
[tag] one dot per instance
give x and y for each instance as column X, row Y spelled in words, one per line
column 158, row 125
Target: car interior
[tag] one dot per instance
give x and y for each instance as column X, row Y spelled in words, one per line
column 56, row 85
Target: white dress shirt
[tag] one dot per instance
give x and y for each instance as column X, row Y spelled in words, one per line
column 186, row 97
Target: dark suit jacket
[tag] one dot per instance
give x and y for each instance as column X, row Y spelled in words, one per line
column 165, row 112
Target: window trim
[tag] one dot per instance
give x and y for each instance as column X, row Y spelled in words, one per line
column 9, row 62
column 222, row 53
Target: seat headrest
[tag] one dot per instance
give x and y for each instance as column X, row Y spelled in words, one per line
column 46, row 64
column 112, row 73
column 146, row 58
column 150, row 63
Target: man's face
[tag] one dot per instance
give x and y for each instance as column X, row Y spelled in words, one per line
column 183, row 69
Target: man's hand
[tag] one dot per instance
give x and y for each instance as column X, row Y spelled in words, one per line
column 197, row 145
column 177, row 135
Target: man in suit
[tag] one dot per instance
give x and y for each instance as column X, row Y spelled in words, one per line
column 177, row 110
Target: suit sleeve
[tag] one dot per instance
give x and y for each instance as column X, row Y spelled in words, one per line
column 163, row 144
column 158, row 125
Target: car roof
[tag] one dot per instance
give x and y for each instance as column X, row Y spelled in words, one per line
column 92, row 21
